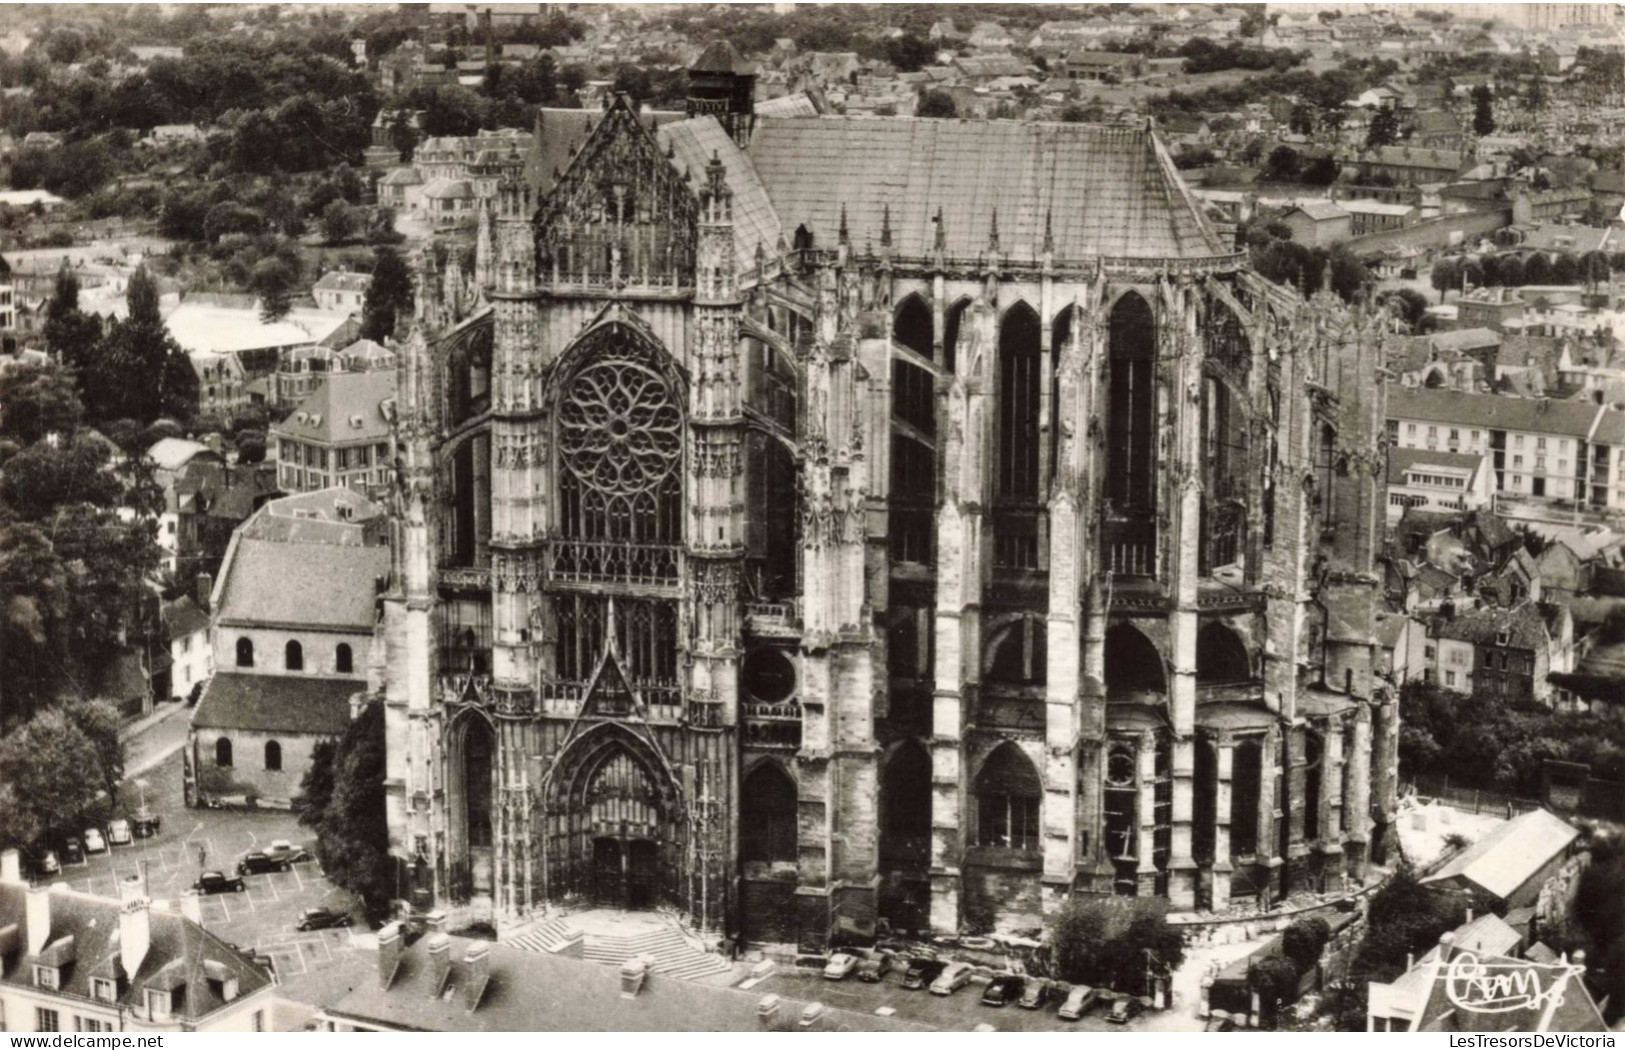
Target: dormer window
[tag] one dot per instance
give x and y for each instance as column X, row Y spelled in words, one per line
column 103, row 990
column 47, row 977
column 160, row 1001
column 1503, row 637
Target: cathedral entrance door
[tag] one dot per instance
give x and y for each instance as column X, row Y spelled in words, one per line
column 642, row 875
column 608, row 872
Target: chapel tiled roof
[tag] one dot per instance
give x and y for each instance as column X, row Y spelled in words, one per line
column 1492, row 411
column 276, row 703
column 301, row 584
column 1104, row 191
column 721, row 57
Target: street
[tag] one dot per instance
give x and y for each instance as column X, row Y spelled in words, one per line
column 314, row 966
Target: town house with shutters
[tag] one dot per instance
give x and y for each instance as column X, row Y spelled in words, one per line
column 807, row 521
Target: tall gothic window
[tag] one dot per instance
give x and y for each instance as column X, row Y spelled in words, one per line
column 1131, row 431
column 913, row 461
column 1246, row 781
column 1007, row 800
column 1015, row 481
column 912, row 326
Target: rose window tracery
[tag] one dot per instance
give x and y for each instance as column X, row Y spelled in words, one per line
column 620, row 432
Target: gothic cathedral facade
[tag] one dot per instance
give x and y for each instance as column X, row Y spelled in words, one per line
column 805, row 522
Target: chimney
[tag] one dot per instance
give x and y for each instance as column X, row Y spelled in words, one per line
column 633, row 973
column 439, row 963
column 134, row 923
column 11, row 868
column 38, row 913
column 205, row 588
column 1579, row 959
column 389, row 954
column 1469, row 915
column 1447, row 944
column 477, row 971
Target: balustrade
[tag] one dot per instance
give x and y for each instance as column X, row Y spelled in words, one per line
column 593, row 561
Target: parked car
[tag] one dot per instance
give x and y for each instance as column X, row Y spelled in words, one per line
column 953, row 977
column 876, row 965
column 287, row 852
column 219, row 882
column 145, row 823
column 258, row 862
column 921, row 972
column 323, row 919
column 1004, row 990
column 1038, row 993
column 118, row 833
column 72, row 851
column 840, row 966
column 1125, row 1008
column 42, row 864
column 94, row 843
column 1079, row 1001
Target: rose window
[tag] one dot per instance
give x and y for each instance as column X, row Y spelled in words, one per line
column 620, row 433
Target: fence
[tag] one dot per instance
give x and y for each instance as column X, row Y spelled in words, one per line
column 1470, row 799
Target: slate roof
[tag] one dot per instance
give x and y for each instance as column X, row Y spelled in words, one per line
column 1320, row 211
column 1510, row 853
column 327, row 415
column 532, row 992
column 1108, row 191
column 1492, row 411
column 560, row 131
column 1401, row 460
column 796, row 105
column 344, row 281
column 175, row 453
column 307, row 585
column 276, row 703
column 183, row 617
column 1573, row 1010
column 178, row 947
column 1463, row 339
column 1524, row 627
column 693, row 143
column 721, row 57
column 315, row 517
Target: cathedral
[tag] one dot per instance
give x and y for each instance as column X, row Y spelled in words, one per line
column 803, row 523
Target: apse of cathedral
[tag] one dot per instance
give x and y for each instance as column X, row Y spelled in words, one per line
column 807, row 522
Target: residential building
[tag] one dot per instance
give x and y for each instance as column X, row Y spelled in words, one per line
column 339, row 290
column 1100, row 66
column 1436, row 480
column 1539, row 447
column 339, row 434
column 186, row 622
column 222, row 385
column 1409, row 165
column 1317, row 224
column 292, row 638
column 1504, row 652
column 1394, row 1007
column 72, row 962
column 8, row 298
column 1373, row 216
column 1489, row 308
column 550, row 564
column 223, row 328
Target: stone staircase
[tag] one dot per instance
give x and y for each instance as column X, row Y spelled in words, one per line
column 556, row 936
column 673, row 953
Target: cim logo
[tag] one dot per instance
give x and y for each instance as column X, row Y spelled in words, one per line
column 1503, row 986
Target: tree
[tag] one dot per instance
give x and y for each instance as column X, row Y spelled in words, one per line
column 100, row 722
column 936, row 104
column 1594, row 271
column 339, row 222
column 1383, row 129
column 45, row 761
column 1534, row 96
column 1445, row 277
column 352, row 838
column 389, row 295
column 1483, row 110
column 1281, row 165
column 40, row 399
column 251, row 446
column 316, row 787
column 1537, row 269
column 1275, row 981
column 1565, row 269
column 33, row 598
column 1512, row 275
column 140, row 372
column 274, row 279
column 70, row 334
column 45, row 476
column 1078, row 938
column 1113, row 941
column 908, row 53
column 1407, row 304
column 1304, row 940
column 1302, row 119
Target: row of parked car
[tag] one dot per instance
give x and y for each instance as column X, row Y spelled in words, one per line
column 73, row 849
column 942, row 977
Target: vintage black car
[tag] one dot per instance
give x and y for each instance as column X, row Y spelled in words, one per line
column 218, row 882
column 1004, row 990
column 258, row 862
column 323, row 919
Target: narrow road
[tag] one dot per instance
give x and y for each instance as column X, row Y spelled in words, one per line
column 153, row 741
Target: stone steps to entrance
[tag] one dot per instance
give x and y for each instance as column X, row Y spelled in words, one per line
column 673, row 954
column 555, row 936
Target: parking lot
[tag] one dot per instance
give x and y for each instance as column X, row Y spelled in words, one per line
column 190, row 841
column 961, row 1011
